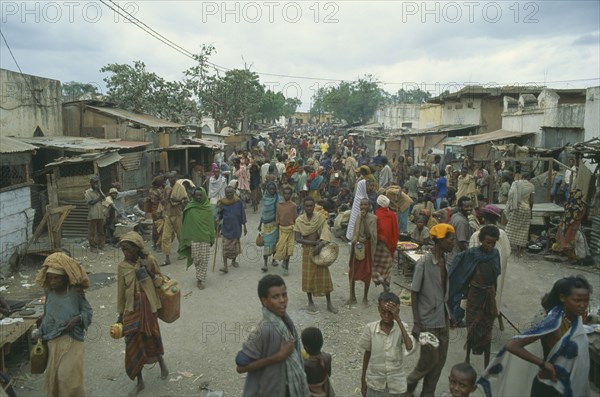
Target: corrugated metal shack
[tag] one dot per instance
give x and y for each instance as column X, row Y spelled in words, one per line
column 73, row 161
column 179, row 157
column 16, row 211
column 103, row 120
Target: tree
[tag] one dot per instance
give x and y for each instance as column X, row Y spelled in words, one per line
column 272, row 105
column 230, row 99
column 354, row 102
column 134, row 88
column 318, row 104
column 416, row 95
column 73, row 91
column 290, row 106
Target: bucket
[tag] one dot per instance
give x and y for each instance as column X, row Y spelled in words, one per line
column 170, row 299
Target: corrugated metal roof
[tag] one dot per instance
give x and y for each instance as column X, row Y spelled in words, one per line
column 207, row 143
column 441, row 129
column 497, row 135
column 143, row 119
column 78, row 144
column 102, row 159
column 12, row 145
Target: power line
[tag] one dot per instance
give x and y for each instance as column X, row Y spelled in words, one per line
column 131, row 18
column 137, row 22
column 20, row 71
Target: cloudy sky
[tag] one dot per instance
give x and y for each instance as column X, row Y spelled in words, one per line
column 299, row 46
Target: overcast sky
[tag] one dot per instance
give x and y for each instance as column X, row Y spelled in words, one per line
column 432, row 45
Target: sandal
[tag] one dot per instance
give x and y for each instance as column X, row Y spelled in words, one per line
column 223, row 270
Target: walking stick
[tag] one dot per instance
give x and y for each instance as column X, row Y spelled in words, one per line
column 216, row 249
column 510, row 322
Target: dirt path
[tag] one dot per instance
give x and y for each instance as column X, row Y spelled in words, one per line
column 200, row 347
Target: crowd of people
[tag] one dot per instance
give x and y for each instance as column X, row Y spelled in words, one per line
column 306, row 186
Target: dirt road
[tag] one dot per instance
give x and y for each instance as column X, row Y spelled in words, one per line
column 200, row 347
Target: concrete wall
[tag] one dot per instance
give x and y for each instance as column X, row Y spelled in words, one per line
column 591, row 121
column 491, row 115
column 462, row 111
column 16, row 226
column 531, row 116
column 27, row 102
column 430, row 115
column 392, row 116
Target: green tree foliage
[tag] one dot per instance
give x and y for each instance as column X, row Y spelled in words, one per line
column 290, row 106
column 272, row 105
column 318, row 104
column 134, row 88
column 74, row 91
column 233, row 98
column 354, row 102
column 415, row 95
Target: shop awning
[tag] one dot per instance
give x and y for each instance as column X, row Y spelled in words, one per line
column 498, row 135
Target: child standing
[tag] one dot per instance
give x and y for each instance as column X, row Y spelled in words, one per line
column 285, row 217
column 420, row 234
column 317, row 365
column 382, row 370
column 461, row 381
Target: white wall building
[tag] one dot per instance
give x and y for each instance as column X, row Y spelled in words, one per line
column 591, row 122
column 395, row 117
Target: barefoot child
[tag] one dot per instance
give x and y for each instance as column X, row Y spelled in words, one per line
column 382, row 370
column 317, row 365
column 462, row 380
column 285, row 217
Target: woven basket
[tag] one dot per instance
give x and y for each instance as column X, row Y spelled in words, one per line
column 327, row 255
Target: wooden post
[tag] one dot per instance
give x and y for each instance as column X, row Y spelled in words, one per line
column 187, row 163
column 492, row 184
column 54, row 235
column 550, row 180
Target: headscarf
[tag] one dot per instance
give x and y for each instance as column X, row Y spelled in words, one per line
column 270, row 203
column 491, row 209
column 383, row 201
column 61, row 263
column 216, row 186
column 179, row 191
column 318, row 223
column 158, row 181
column 440, row 230
column 134, row 238
column 198, row 224
column 518, row 195
column 361, row 193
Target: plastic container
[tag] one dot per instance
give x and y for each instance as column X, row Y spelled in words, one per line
column 170, row 298
column 38, row 358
